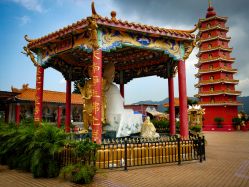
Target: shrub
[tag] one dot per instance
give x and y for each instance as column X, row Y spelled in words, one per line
column 219, row 121
column 84, row 171
column 196, row 128
column 48, row 141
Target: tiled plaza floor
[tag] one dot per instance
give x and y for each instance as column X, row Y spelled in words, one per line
column 227, row 164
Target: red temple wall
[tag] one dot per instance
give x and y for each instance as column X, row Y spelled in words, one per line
column 228, row 113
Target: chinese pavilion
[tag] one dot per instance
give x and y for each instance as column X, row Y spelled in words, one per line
column 136, row 50
column 217, row 94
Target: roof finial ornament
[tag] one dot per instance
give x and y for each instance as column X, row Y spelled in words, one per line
column 209, row 3
column 113, row 15
column 94, row 13
column 27, row 38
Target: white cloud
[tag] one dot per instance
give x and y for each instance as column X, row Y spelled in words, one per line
column 24, row 20
column 244, row 86
column 34, row 5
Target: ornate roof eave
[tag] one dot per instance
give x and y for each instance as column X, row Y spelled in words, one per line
column 212, row 18
column 214, row 38
column 220, row 104
column 216, row 70
column 216, row 59
column 214, row 49
column 186, row 35
column 232, row 81
column 213, row 28
column 203, row 94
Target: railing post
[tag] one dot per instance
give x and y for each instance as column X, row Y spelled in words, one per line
column 203, row 148
column 179, row 150
column 200, row 148
column 125, row 166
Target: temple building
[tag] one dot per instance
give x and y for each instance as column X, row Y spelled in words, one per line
column 22, row 103
column 217, row 93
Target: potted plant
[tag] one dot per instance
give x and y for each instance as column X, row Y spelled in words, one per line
column 219, row 121
column 236, row 123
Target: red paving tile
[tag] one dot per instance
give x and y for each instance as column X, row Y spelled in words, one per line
column 227, row 164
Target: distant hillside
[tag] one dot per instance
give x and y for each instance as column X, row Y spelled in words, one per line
column 161, row 108
column 245, row 101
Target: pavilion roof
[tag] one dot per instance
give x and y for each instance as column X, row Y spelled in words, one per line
column 137, row 50
column 113, row 22
column 28, row 94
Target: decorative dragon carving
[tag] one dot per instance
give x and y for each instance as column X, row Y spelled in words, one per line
column 31, row 55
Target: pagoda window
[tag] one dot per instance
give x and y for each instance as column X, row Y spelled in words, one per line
column 225, row 64
column 209, row 46
column 211, row 67
column 227, row 76
column 208, row 25
column 209, row 55
column 212, row 99
column 209, row 35
column 211, row 78
column 228, row 87
column 212, row 88
column 224, row 54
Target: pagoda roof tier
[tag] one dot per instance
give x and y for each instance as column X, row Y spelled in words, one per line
column 214, row 70
column 219, row 48
column 137, row 50
column 213, row 38
column 223, row 18
column 210, row 82
column 204, row 61
column 220, row 103
column 218, row 92
column 216, row 27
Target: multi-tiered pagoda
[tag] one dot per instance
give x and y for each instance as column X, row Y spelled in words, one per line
column 217, row 94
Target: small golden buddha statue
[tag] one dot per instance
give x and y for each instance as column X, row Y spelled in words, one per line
column 148, row 129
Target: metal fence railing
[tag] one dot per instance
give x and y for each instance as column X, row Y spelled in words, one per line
column 138, row 152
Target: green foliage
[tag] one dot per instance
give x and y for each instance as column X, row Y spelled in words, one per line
column 236, row 121
column 219, row 121
column 81, row 82
column 77, row 173
column 196, row 128
column 160, row 123
column 47, row 142
column 82, row 172
column 37, row 149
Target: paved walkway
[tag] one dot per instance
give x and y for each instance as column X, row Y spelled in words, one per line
column 227, row 164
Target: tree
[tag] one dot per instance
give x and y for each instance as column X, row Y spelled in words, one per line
column 192, row 101
column 75, row 84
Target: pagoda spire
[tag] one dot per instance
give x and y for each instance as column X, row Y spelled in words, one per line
column 211, row 12
column 209, row 3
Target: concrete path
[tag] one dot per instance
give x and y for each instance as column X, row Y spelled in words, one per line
column 227, row 164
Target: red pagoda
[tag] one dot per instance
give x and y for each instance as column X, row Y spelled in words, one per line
column 217, row 94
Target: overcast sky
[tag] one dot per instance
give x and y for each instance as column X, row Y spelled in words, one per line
column 39, row 17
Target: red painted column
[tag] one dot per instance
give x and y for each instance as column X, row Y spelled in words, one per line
column 39, row 95
column 59, row 111
column 68, row 106
column 17, row 116
column 183, row 100
column 97, row 96
column 122, row 83
column 122, row 90
column 171, row 106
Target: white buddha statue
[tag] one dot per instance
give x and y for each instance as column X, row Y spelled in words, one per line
column 121, row 120
column 148, row 129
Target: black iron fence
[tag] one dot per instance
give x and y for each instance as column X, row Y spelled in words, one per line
column 137, row 152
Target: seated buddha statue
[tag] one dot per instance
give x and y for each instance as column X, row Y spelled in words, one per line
column 148, row 129
column 123, row 121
